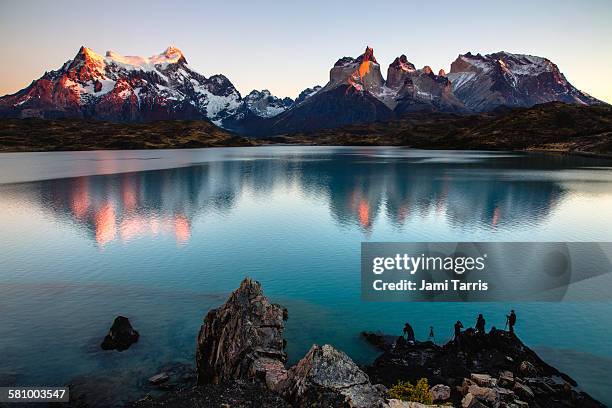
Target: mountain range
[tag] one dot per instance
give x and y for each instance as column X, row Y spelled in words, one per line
column 120, row 88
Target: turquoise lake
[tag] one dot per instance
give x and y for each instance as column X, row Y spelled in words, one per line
column 163, row 236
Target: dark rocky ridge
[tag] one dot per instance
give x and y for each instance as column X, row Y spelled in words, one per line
column 497, row 360
column 340, row 106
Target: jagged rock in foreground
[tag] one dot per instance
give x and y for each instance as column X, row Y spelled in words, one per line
column 120, row 336
column 492, row 370
column 242, row 338
column 328, row 377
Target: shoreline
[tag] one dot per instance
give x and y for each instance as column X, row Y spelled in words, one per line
column 607, row 156
column 497, row 369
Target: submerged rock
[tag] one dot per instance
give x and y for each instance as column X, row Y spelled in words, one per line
column 242, row 337
column 159, row 378
column 120, row 336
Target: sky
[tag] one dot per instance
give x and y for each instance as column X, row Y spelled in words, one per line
column 287, row 46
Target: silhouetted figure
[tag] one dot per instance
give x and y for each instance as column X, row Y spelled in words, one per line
column 511, row 318
column 409, row 333
column 480, row 324
column 458, row 327
column 431, row 336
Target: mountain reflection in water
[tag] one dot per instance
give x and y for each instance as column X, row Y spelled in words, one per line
column 357, row 189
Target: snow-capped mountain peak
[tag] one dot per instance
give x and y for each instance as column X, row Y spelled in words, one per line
column 504, row 78
column 265, row 105
column 120, row 87
column 127, row 88
column 170, row 55
column 307, row 93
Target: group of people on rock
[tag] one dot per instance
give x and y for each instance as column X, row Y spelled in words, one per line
column 480, row 328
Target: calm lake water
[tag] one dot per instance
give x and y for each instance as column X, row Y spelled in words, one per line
column 163, row 236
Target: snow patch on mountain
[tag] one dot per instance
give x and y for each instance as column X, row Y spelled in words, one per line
column 266, row 105
column 458, row 79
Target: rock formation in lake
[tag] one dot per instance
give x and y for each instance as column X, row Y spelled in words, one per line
column 491, row 370
column 241, row 338
column 120, row 336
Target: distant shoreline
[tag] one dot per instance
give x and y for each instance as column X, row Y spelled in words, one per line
column 551, row 127
column 543, row 151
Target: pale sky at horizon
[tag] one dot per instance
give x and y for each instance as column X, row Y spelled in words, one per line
column 288, row 46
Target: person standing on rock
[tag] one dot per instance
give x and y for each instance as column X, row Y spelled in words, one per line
column 480, row 324
column 409, row 333
column 511, row 318
column 458, row 327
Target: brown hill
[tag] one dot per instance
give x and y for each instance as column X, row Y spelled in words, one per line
column 552, row 126
column 27, row 135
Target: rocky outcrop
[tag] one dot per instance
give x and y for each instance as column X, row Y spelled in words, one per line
column 398, row 71
column 241, row 339
column 422, row 90
column 492, row 370
column 120, row 336
column 240, row 362
column 328, row 377
column 361, row 73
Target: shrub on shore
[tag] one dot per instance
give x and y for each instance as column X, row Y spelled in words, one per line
column 405, row 391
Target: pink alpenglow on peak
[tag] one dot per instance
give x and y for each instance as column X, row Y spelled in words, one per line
column 171, row 55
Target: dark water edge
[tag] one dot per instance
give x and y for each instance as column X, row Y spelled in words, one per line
column 593, row 369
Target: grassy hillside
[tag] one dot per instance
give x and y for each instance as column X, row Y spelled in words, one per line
column 21, row 135
column 552, row 126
